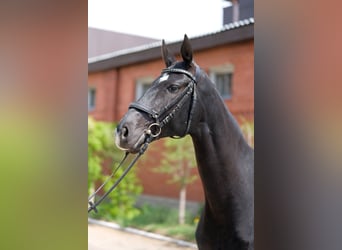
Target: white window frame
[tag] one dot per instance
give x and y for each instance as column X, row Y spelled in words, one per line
column 223, row 69
column 91, row 106
column 141, row 84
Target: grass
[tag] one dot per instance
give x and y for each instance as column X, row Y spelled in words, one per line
column 183, row 232
column 162, row 220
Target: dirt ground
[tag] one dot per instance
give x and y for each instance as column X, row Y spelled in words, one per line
column 103, row 238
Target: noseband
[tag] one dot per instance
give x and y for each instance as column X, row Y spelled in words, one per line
column 165, row 115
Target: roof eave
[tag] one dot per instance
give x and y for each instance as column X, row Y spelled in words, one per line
column 228, row 36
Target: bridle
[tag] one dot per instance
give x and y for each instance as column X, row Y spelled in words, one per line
column 160, row 119
column 165, row 115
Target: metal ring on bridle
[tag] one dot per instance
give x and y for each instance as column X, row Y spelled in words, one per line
column 156, row 127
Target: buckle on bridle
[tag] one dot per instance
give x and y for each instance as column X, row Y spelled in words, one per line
column 92, row 207
column 153, row 130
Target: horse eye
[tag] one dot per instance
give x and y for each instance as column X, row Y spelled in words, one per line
column 173, row 88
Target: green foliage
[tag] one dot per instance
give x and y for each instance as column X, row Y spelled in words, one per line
column 155, row 215
column 183, row 232
column 120, row 202
column 247, row 128
column 163, row 220
column 120, row 205
column 100, row 146
column 178, row 159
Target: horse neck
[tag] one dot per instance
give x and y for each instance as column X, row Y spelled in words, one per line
column 219, row 146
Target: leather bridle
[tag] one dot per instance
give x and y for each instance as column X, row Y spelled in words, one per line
column 160, row 119
column 165, row 115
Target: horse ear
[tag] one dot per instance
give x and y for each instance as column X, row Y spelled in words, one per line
column 168, row 58
column 186, row 50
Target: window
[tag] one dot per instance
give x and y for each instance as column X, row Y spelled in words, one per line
column 223, row 83
column 91, row 98
column 142, row 85
column 222, row 76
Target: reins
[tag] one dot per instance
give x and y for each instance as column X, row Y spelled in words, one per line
column 154, row 129
column 92, row 206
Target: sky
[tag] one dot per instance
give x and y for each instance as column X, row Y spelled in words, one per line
column 160, row 19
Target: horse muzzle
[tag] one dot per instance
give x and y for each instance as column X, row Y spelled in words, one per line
column 133, row 130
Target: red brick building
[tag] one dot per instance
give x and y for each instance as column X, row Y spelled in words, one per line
column 117, row 79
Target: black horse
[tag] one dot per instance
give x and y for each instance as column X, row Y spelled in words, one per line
column 183, row 100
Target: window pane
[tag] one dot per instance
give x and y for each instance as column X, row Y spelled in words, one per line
column 223, row 84
column 91, row 98
column 146, row 86
column 141, row 89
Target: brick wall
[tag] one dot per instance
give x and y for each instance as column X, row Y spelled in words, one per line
column 105, row 84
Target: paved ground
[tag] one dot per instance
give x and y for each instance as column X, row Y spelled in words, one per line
column 104, row 238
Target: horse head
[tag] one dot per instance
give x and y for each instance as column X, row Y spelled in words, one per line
column 167, row 108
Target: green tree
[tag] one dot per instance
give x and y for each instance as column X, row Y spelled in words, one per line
column 101, row 148
column 178, row 160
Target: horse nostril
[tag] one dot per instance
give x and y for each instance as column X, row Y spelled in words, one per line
column 124, row 132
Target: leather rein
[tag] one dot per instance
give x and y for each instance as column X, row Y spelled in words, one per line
column 160, row 119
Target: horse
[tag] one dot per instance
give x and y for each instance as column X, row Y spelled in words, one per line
column 183, row 100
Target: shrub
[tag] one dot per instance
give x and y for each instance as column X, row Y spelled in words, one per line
column 120, row 202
